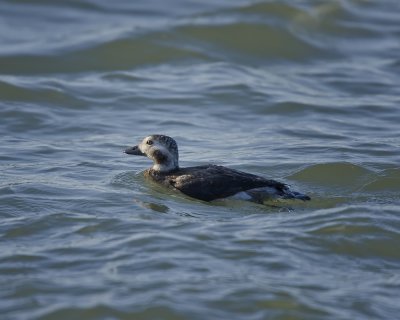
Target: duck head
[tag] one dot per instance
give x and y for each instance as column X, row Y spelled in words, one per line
column 163, row 150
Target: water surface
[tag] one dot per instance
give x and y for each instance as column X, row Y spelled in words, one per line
column 306, row 92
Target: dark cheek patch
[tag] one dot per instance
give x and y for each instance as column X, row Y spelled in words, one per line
column 159, row 157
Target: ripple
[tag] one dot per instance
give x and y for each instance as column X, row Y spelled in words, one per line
column 94, row 312
column 302, row 92
column 118, row 54
column 387, row 181
column 241, row 38
column 355, row 235
column 17, row 93
column 340, row 174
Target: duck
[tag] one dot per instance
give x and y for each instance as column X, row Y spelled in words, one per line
column 206, row 182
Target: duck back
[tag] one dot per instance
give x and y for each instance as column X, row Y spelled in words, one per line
column 212, row 182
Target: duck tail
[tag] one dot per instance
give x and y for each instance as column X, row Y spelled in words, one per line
column 296, row 195
column 260, row 195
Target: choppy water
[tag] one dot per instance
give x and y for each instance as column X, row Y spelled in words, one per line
column 306, row 92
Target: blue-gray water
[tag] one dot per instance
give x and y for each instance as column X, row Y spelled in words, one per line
column 306, row 92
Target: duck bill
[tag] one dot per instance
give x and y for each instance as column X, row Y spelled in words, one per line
column 134, row 151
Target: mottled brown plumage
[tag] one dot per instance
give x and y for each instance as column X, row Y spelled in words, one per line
column 212, row 182
column 207, row 182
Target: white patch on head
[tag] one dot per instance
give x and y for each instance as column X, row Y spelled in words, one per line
column 144, row 146
column 157, row 146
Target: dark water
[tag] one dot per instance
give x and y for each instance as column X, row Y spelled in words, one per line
column 306, row 92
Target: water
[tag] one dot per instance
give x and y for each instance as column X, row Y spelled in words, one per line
column 306, row 92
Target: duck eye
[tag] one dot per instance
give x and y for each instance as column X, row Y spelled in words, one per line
column 149, row 142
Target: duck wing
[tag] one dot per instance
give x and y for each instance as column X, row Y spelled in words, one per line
column 212, row 182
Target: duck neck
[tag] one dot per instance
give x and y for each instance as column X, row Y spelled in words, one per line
column 164, row 168
column 164, row 162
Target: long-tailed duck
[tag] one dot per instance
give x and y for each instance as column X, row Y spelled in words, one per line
column 207, row 182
